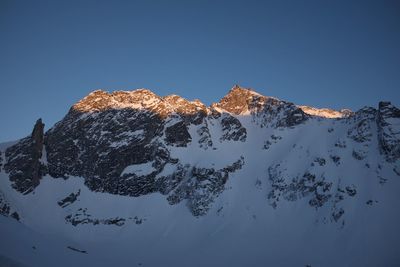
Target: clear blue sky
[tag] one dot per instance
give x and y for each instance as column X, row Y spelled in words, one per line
column 338, row 54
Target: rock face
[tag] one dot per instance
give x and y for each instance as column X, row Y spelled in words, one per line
column 319, row 190
column 267, row 111
column 177, row 134
column 232, row 129
column 136, row 143
column 362, row 125
column 205, row 184
column 389, row 130
column 24, row 160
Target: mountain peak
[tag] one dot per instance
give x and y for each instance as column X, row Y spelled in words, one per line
column 238, row 100
column 238, row 90
column 100, row 100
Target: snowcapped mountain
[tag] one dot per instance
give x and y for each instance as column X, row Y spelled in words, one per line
column 135, row 179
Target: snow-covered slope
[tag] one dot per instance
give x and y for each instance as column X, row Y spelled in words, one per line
column 326, row 112
column 133, row 179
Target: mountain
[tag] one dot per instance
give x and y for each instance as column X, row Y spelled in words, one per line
column 135, row 179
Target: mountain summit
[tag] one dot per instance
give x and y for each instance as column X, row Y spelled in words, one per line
column 133, row 169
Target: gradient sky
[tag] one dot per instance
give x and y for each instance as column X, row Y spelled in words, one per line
column 338, row 54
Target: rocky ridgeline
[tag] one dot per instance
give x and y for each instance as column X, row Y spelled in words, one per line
column 105, row 133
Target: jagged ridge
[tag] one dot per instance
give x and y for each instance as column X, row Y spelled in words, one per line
column 106, row 134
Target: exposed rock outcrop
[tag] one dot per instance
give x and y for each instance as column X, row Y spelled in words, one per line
column 388, row 120
column 24, row 160
column 266, row 111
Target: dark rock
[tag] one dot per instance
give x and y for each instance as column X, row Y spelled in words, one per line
column 337, row 214
column 82, row 217
column 359, row 155
column 138, row 220
column 258, row 184
column 320, row 161
column 351, row 190
column 273, row 140
column 232, row 129
column 71, row 198
column 205, row 140
column 166, row 184
column 77, row 250
column 315, row 188
column 14, row 215
column 202, row 186
column 388, row 119
column 24, row 163
column 362, row 122
column 267, row 144
column 382, row 180
column 335, row 159
column 396, row 170
column 298, row 187
column 6, row 209
column 202, row 173
column 177, row 135
column 340, row 144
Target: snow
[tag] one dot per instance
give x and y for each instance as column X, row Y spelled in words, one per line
column 323, row 112
column 241, row 229
column 43, row 159
column 139, row 169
